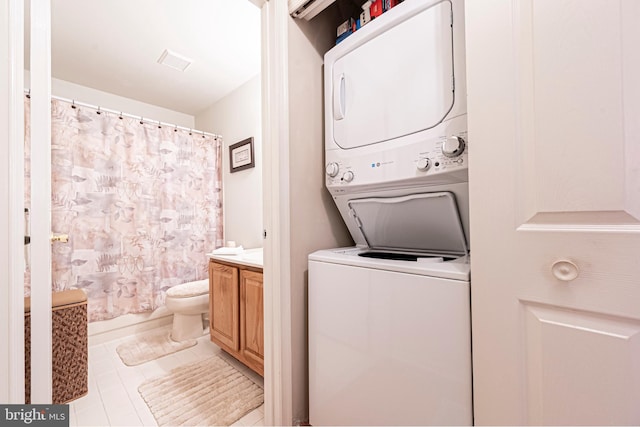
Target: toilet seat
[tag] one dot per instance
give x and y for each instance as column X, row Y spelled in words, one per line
column 190, row 289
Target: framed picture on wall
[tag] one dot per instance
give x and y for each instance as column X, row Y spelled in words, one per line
column 241, row 155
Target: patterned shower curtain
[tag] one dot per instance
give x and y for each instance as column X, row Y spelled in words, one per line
column 141, row 203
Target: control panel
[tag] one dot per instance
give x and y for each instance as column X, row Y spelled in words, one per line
column 419, row 160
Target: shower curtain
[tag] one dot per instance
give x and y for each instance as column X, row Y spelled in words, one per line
column 141, row 203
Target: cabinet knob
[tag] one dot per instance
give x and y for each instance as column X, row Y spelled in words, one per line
column 564, row 270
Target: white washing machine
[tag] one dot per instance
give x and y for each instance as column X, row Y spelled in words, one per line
column 389, row 320
column 389, row 326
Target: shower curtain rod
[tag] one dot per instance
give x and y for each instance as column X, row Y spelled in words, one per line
column 131, row 116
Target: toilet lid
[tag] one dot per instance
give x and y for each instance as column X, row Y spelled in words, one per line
column 189, row 289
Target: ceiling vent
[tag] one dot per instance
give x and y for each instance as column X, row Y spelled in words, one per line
column 174, row 60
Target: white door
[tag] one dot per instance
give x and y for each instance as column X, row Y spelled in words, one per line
column 41, row 370
column 554, row 114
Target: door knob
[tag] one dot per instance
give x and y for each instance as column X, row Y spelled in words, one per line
column 564, row 270
column 62, row 238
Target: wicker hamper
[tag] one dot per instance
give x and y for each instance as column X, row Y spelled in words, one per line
column 69, row 345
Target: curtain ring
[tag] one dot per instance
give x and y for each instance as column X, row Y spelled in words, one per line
column 159, row 127
column 190, row 133
column 98, row 112
column 141, row 120
column 120, row 116
column 29, row 93
column 73, row 104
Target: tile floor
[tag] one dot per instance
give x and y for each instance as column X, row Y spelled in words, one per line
column 113, row 398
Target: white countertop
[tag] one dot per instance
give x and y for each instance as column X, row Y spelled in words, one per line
column 249, row 257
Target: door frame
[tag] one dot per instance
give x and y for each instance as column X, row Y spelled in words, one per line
column 278, row 388
column 12, row 305
column 278, row 376
column 12, row 191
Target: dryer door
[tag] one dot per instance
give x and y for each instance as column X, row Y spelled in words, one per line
column 397, row 82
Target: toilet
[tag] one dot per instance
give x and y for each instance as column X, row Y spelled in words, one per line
column 188, row 302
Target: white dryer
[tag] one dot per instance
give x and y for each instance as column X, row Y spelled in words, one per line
column 389, row 320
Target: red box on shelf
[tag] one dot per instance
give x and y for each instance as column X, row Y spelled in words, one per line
column 376, row 8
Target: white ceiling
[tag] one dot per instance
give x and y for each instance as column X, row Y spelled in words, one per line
column 114, row 45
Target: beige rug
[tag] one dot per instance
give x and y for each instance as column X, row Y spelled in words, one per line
column 206, row 393
column 149, row 347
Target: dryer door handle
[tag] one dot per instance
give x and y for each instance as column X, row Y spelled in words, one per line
column 339, row 97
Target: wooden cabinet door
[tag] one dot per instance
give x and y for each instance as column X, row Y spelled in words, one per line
column 554, row 175
column 224, row 303
column 252, row 319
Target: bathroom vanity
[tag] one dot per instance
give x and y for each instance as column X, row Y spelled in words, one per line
column 236, row 319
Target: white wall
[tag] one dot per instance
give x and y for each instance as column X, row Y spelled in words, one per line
column 87, row 95
column 237, row 117
column 315, row 221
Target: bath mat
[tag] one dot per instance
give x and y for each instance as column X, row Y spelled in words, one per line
column 149, row 347
column 206, row 393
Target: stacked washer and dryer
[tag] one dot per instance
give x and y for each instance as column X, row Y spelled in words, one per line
column 389, row 319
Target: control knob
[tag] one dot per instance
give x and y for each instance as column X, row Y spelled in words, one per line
column 332, row 169
column 453, row 146
column 423, row 164
column 347, row 176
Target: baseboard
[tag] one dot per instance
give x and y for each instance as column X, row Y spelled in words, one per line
column 127, row 325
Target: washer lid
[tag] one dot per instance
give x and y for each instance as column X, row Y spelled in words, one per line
column 423, row 223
